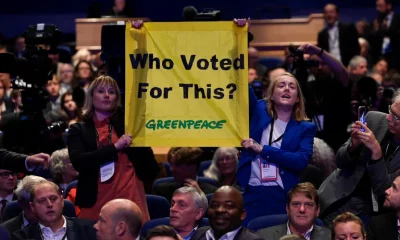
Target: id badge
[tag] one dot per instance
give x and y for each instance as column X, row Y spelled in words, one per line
column 107, row 171
column 269, row 171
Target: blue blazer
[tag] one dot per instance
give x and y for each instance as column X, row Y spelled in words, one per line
column 296, row 148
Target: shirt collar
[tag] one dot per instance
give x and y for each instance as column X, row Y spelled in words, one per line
column 64, row 226
column 228, row 236
column 24, row 220
column 99, row 123
column 9, row 198
column 307, row 235
column 189, row 236
column 390, row 16
column 335, row 25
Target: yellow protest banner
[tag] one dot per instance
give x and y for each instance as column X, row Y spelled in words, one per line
column 186, row 84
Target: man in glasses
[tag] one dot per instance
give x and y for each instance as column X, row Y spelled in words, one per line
column 367, row 165
column 8, row 182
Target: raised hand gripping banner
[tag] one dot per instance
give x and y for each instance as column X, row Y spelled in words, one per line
column 186, row 84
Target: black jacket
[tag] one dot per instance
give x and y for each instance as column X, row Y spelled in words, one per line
column 77, row 229
column 243, row 234
column 86, row 158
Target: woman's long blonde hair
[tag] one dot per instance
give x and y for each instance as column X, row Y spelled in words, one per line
column 299, row 109
column 88, row 109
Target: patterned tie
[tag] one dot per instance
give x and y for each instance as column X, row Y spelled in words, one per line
column 3, row 206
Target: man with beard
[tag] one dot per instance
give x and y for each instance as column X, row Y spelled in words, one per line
column 302, row 209
column 386, row 225
column 226, row 214
column 386, row 35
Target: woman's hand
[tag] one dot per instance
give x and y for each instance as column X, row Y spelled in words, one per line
column 137, row 24
column 123, row 142
column 241, row 22
column 250, row 144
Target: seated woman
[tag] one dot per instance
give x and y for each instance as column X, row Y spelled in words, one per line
column 69, row 107
column 64, row 173
column 348, row 226
column 278, row 150
column 223, row 167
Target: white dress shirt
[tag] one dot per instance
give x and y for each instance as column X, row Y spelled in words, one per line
column 226, row 236
column 48, row 234
column 333, row 39
column 307, row 235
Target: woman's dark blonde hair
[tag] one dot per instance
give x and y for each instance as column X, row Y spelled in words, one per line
column 88, row 109
column 299, row 109
column 345, row 218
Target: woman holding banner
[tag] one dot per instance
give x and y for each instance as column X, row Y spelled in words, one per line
column 279, row 148
column 99, row 150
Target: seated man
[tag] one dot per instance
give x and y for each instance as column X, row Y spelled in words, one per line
column 188, row 207
column 184, row 165
column 23, row 192
column 302, row 210
column 385, row 225
column 47, row 204
column 119, row 219
column 226, row 214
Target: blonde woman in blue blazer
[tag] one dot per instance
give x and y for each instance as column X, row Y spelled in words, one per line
column 279, row 148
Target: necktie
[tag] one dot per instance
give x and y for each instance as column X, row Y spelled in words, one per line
column 3, row 206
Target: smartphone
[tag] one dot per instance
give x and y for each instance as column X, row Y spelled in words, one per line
column 362, row 112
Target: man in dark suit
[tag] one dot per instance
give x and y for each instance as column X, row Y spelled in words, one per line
column 23, row 191
column 122, row 213
column 385, row 36
column 226, row 214
column 385, row 225
column 47, row 204
column 339, row 39
column 184, row 163
column 367, row 165
column 302, row 209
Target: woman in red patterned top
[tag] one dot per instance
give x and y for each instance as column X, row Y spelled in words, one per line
column 100, row 151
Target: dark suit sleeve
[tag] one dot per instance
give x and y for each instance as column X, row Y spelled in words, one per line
column 343, row 158
column 380, row 178
column 12, row 161
column 319, row 40
column 370, row 233
column 82, row 159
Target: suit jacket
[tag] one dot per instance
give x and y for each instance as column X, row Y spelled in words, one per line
column 376, row 40
column 348, row 41
column 77, row 229
column 383, row 227
column 294, row 154
column 344, row 180
column 86, row 158
column 12, row 161
column 276, row 232
column 243, row 234
column 167, row 189
column 14, row 224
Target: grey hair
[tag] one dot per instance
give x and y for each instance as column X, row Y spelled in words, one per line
column 199, row 198
column 26, row 186
column 323, row 157
column 355, row 61
column 213, row 171
column 396, row 96
column 57, row 165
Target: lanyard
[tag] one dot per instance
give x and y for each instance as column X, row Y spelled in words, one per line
column 394, row 153
column 109, row 135
column 41, row 234
column 271, row 132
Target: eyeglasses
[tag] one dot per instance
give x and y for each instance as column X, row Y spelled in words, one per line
column 397, row 118
column 5, row 175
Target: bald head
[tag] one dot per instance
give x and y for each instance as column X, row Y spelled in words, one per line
column 124, row 213
column 232, row 193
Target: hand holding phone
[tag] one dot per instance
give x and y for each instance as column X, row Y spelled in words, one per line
column 362, row 113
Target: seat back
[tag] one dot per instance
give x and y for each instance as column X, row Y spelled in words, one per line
column 272, row 220
column 167, row 167
column 203, row 166
column 13, row 209
column 271, row 62
column 158, row 206
column 69, row 187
